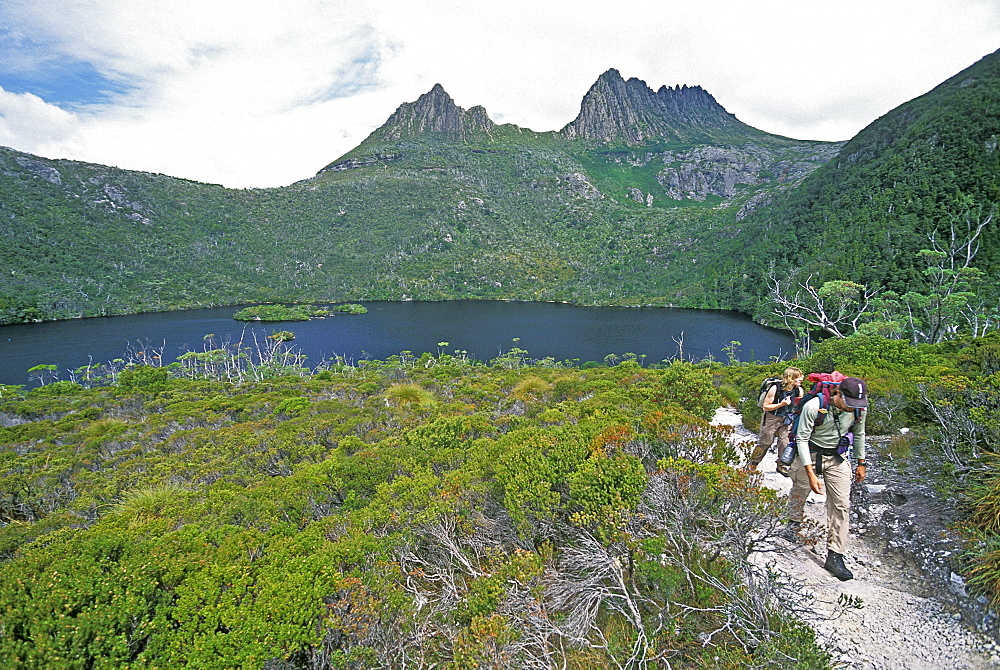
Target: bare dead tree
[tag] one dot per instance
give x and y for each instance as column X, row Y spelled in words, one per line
column 735, row 526
column 835, row 307
column 439, row 569
column 591, row 577
column 962, row 244
column 950, row 276
column 961, row 438
column 144, row 352
column 679, row 341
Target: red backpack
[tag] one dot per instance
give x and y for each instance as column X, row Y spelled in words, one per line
column 823, row 385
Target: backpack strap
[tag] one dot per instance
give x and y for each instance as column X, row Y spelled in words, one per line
column 820, row 453
column 824, row 407
column 776, row 386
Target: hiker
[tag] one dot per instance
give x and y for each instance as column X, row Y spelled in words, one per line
column 777, row 406
column 823, row 443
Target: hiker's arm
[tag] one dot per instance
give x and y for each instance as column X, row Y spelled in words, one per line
column 859, row 436
column 769, row 404
column 859, row 447
column 806, row 424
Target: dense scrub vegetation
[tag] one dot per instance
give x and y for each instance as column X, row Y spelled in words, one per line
column 431, row 511
column 420, row 512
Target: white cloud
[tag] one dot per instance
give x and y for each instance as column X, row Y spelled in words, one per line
column 27, row 119
column 258, row 93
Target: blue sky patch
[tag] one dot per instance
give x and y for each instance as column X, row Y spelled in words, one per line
column 66, row 83
column 34, row 65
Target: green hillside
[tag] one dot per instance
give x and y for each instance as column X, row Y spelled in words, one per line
column 925, row 167
column 426, row 208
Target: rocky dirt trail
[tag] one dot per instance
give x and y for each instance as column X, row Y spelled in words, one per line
column 885, row 618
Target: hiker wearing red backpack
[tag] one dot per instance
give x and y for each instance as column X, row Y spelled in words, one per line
column 831, row 423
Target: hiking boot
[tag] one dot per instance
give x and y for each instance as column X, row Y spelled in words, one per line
column 783, row 470
column 835, row 566
column 791, row 532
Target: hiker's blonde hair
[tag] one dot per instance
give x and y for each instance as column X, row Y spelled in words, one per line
column 789, row 376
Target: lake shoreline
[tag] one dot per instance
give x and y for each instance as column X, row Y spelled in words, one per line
column 480, row 329
column 238, row 306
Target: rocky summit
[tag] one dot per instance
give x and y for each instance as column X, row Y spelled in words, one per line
column 435, row 112
column 629, row 111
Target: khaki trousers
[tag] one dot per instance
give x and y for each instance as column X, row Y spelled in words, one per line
column 837, row 478
column 771, row 426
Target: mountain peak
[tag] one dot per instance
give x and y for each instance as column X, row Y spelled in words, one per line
column 435, row 112
column 616, row 109
column 611, row 74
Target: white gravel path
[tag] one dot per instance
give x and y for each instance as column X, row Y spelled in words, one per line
column 895, row 627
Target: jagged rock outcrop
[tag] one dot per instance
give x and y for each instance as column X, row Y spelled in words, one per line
column 46, row 172
column 711, row 170
column 364, row 161
column 435, row 112
column 616, row 109
column 578, row 184
column 723, row 157
column 612, row 110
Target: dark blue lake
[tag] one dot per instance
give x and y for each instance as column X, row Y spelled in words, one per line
column 483, row 329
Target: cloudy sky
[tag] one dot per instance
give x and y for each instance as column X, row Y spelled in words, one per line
column 258, row 93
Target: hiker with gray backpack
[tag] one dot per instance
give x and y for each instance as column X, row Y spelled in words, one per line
column 830, row 423
column 778, row 398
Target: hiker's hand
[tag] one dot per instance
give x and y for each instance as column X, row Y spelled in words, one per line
column 814, row 483
column 859, row 473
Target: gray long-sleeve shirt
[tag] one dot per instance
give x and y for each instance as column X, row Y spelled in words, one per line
column 827, row 435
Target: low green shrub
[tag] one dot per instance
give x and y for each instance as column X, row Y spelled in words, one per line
column 689, row 386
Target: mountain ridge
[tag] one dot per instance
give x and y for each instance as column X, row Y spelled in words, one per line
column 613, row 110
column 646, row 198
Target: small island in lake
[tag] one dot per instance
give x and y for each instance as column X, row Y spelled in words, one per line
column 293, row 312
column 282, row 336
column 350, row 308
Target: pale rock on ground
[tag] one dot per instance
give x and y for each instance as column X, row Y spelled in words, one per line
column 895, row 628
